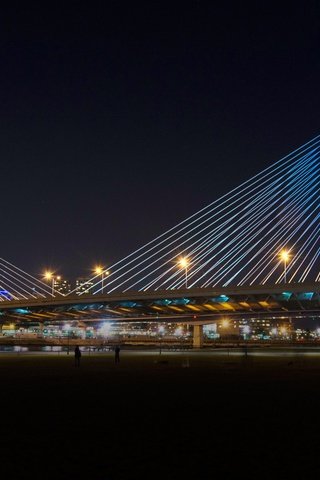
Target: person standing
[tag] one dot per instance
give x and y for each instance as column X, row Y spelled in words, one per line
column 77, row 356
column 117, row 354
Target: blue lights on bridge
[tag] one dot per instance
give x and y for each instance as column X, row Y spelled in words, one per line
column 175, row 301
column 220, row 299
column 284, row 296
column 128, row 304
column 21, row 311
column 302, row 296
column 163, row 302
column 5, row 294
column 180, row 301
column 305, row 295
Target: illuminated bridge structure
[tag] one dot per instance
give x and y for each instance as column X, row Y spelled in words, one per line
column 253, row 251
column 196, row 306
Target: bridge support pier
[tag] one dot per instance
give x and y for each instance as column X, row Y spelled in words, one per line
column 197, row 336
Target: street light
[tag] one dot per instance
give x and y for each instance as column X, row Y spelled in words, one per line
column 101, row 271
column 285, row 257
column 49, row 276
column 183, row 263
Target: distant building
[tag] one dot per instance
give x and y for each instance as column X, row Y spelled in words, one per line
column 255, row 328
column 83, row 285
column 62, row 286
column 228, row 329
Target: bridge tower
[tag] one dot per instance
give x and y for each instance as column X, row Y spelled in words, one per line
column 197, row 336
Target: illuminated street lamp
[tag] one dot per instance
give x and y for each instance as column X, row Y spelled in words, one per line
column 285, row 257
column 49, row 276
column 183, row 263
column 101, row 271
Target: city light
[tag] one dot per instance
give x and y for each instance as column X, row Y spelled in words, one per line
column 67, row 328
column 152, row 332
column 283, row 330
column 183, row 263
column 105, row 330
column 178, row 331
column 285, row 257
column 48, row 275
column 99, row 270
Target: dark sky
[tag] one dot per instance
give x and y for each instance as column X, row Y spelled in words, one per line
column 120, row 119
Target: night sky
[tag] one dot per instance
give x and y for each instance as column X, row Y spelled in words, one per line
column 118, row 119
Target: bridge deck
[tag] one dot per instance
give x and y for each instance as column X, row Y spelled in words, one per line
column 184, row 304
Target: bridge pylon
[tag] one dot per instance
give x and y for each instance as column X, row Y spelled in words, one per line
column 197, row 336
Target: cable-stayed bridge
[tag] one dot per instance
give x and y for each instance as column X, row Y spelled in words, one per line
column 237, row 239
column 255, row 249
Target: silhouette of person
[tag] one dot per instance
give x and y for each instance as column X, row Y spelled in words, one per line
column 77, row 356
column 117, row 354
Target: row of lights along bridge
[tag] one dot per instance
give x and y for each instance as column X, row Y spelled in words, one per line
column 284, row 255
column 84, row 285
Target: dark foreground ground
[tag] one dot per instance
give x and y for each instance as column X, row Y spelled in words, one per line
column 198, row 416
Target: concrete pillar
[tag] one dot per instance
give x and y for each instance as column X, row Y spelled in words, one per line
column 197, row 336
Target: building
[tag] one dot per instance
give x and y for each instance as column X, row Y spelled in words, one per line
column 61, row 285
column 83, row 285
column 254, row 328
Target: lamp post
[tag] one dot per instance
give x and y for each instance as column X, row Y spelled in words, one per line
column 101, row 271
column 49, row 276
column 184, row 263
column 285, row 257
column 105, row 273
